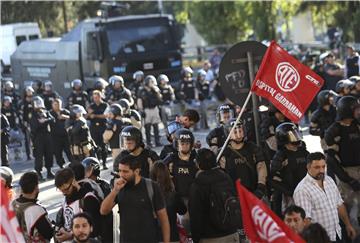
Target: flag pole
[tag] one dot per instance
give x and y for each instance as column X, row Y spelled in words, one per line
column 233, row 127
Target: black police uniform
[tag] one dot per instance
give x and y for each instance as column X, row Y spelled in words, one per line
column 14, row 97
column 347, row 139
column 322, row 119
column 204, row 90
column 11, row 115
column 183, row 172
column 115, row 95
column 26, row 108
column 77, row 98
column 167, row 93
column 49, row 98
column 352, row 65
column 59, row 138
column 5, row 129
column 290, row 167
column 97, row 128
column 41, row 138
column 144, row 157
column 79, row 137
column 187, row 89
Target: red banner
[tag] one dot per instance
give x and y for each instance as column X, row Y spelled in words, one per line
column 260, row 223
column 285, row 82
column 9, row 226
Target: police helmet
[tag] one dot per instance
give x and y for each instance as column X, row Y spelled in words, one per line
column 77, row 110
column 324, row 96
column 116, row 110
column 92, row 162
column 287, row 132
column 201, row 73
column 139, row 74
column 7, row 99
column 163, row 77
column 187, row 71
column 150, row 81
column 125, row 104
column 38, row 103
column 76, row 83
column 239, row 124
column 183, row 135
column 29, row 89
column 132, row 133
column 346, row 106
column 100, row 84
column 355, row 79
column 116, row 78
column 7, row 175
column 48, row 85
column 9, row 85
column 221, row 110
column 342, row 84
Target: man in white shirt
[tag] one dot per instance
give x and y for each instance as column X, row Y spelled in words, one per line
column 319, row 196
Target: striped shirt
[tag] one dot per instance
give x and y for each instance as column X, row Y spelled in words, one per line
column 320, row 204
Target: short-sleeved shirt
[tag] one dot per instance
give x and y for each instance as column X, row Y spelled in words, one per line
column 321, row 205
column 137, row 222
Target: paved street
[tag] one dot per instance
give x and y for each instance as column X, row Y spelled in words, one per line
column 52, row 198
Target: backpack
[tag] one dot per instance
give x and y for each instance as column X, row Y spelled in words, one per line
column 224, row 204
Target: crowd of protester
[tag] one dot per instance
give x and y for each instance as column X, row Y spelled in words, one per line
column 184, row 191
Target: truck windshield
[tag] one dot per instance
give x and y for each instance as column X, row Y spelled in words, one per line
column 127, row 37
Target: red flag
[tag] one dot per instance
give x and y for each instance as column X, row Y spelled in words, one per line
column 285, row 82
column 260, row 223
column 9, row 226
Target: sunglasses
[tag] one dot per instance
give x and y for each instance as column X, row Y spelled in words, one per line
column 65, row 188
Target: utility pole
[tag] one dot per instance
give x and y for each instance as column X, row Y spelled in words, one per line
column 64, row 16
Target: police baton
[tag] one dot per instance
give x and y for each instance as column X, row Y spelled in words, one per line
column 233, row 127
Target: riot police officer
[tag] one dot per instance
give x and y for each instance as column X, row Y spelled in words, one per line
column 182, row 164
column 10, row 112
column 118, row 90
column 343, row 154
column 136, row 85
column 40, row 122
column 168, row 96
column 97, row 120
column 183, row 167
column 49, row 94
column 132, row 143
column 323, row 116
column 343, row 88
column 5, row 129
column 188, row 90
column 288, row 166
column 217, row 136
column 14, row 120
column 92, row 172
column 267, row 130
column 81, row 143
column 244, row 160
column 115, row 123
column 58, row 132
column 77, row 96
column 25, row 115
column 171, row 128
column 148, row 103
column 132, row 114
column 10, row 91
column 203, row 87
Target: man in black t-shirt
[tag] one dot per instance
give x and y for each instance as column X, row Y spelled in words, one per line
column 139, row 201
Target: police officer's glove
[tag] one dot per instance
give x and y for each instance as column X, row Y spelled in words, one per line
column 355, row 185
column 260, row 191
column 142, row 113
